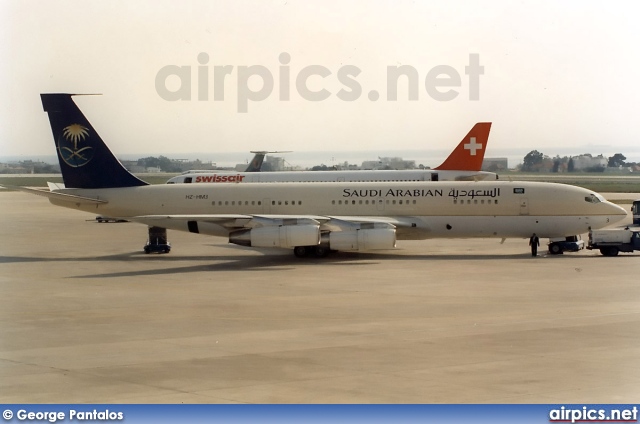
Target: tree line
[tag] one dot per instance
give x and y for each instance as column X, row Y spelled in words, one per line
column 535, row 161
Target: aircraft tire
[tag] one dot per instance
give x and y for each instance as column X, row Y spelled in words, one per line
column 301, row 251
column 609, row 251
column 320, row 251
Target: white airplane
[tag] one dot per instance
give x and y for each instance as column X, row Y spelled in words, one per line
column 254, row 166
column 313, row 218
column 463, row 164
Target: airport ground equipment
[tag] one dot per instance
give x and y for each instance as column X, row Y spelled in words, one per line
column 557, row 246
column 610, row 242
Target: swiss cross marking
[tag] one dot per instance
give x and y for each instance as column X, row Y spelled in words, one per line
column 472, row 146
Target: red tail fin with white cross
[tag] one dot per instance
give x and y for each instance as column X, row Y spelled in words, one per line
column 468, row 155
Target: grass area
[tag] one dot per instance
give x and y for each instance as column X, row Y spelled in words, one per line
column 604, row 183
column 622, row 201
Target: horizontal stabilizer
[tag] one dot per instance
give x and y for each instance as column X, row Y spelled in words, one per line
column 63, row 197
column 55, row 186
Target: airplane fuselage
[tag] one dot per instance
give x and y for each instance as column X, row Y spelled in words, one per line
column 332, row 176
column 419, row 210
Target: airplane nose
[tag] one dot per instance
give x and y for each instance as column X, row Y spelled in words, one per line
column 617, row 212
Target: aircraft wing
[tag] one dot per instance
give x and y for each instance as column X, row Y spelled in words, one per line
column 329, row 223
column 237, row 221
column 71, row 198
column 301, row 232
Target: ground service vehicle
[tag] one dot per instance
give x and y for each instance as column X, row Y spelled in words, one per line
column 635, row 210
column 610, row 242
column 101, row 218
column 558, row 246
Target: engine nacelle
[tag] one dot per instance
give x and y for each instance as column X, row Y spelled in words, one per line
column 369, row 239
column 277, row 236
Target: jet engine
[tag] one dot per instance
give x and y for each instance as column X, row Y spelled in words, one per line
column 363, row 239
column 277, row 236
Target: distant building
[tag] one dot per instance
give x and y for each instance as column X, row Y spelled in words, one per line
column 583, row 162
column 186, row 165
column 389, row 163
column 495, row 164
column 275, row 163
column 132, row 166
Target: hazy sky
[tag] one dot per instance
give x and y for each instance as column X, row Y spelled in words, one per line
column 556, row 75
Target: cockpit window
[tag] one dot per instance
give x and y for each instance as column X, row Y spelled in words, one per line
column 594, row 198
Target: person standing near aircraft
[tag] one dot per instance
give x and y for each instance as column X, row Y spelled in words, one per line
column 534, row 242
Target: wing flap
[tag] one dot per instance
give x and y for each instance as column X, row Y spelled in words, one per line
column 228, row 220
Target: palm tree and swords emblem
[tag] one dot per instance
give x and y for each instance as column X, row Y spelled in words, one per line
column 68, row 146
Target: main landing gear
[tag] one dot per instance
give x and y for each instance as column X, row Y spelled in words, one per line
column 157, row 242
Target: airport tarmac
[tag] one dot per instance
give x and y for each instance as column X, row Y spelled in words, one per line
column 88, row 317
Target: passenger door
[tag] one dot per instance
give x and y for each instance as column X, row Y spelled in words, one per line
column 524, row 205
